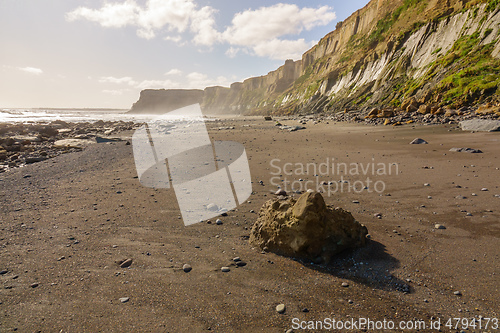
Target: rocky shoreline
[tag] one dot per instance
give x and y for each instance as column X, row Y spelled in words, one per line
column 22, row 144
column 412, row 112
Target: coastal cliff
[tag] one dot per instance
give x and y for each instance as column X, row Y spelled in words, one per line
column 445, row 52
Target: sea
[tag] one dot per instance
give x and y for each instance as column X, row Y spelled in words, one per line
column 39, row 115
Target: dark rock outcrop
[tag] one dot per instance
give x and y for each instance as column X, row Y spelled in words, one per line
column 152, row 101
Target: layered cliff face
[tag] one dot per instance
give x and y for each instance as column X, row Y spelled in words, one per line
column 443, row 51
column 447, row 51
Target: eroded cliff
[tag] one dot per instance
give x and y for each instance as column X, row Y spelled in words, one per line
column 444, row 51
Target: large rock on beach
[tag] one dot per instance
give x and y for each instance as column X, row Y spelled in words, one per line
column 306, row 228
column 480, row 125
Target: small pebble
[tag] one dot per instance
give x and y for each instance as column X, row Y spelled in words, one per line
column 126, row 263
column 4, row 271
column 34, row 285
column 241, row 263
column 280, row 308
column 218, row 222
column 280, row 192
column 345, row 284
column 484, row 189
column 236, row 259
column 457, row 293
column 427, row 184
column 124, row 299
column 225, row 269
column 439, row 226
column 187, row 268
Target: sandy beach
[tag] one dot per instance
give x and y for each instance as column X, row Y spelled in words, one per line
column 66, row 221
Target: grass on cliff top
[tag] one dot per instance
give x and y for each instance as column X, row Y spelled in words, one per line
column 471, row 72
column 477, row 73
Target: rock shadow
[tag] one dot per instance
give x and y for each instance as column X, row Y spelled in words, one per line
column 370, row 265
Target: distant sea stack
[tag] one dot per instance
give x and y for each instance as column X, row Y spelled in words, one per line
column 159, row 101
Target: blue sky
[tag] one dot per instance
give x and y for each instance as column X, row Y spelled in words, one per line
column 94, row 53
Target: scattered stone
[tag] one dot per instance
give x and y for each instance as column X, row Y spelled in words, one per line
column 480, row 125
column 124, row 299
column 457, row 293
column 100, row 139
column 345, row 284
column 281, row 308
column 427, row 184
column 268, row 118
column 218, row 222
column 187, row 268
column 125, row 263
column 484, row 189
column 378, row 215
column 34, row 285
column 61, row 258
column 236, row 259
column 73, row 143
column 225, row 269
column 4, row 271
column 292, row 128
column 212, row 207
column 306, row 228
column 280, row 192
column 418, row 141
column 439, row 226
column 241, row 263
column 466, row 150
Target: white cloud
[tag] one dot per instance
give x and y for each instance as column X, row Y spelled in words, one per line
column 175, row 39
column 251, row 31
column 113, row 92
column 174, row 71
column 31, row 70
column 203, row 26
column 156, row 15
column 282, row 49
column 111, row 15
column 122, row 80
column 201, row 81
column 262, row 28
column 232, row 52
column 157, row 84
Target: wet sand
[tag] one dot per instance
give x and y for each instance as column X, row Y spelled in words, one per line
column 64, row 223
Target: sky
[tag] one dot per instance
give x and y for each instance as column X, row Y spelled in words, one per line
column 101, row 54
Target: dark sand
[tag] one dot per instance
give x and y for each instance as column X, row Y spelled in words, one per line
column 69, row 206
